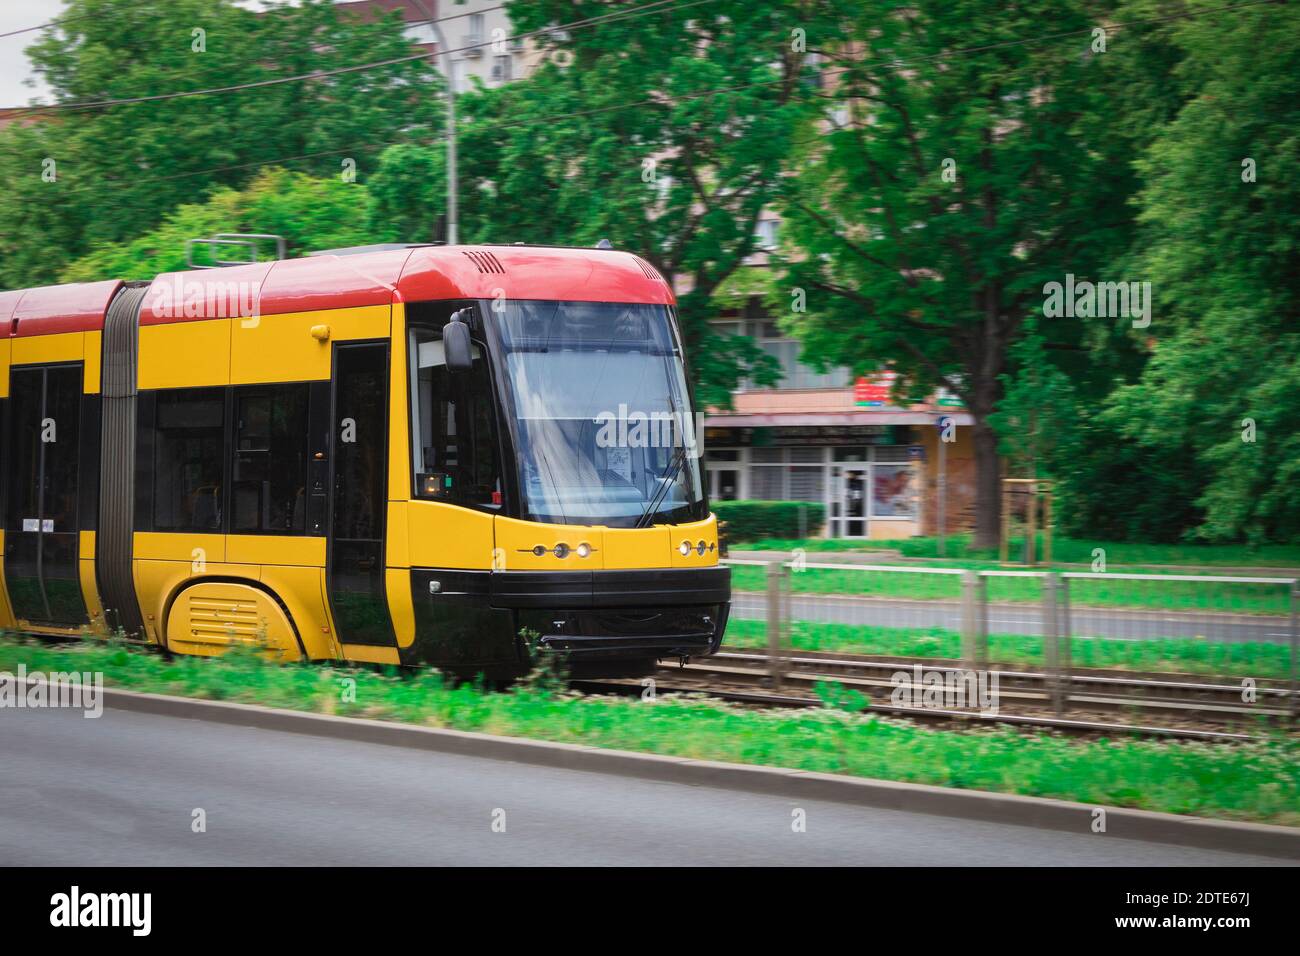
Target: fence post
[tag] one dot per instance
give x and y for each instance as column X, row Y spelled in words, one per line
column 982, row 635
column 1047, row 527
column 974, row 634
column 1295, row 646
column 775, row 580
column 1005, row 546
column 1051, row 642
column 1031, row 527
column 1066, row 643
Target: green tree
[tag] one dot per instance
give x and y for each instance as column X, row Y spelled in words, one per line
column 121, row 169
column 1218, row 237
column 968, row 161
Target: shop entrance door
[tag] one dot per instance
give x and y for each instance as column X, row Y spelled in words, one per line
column 849, row 489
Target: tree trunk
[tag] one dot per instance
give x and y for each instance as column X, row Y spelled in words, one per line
column 988, row 484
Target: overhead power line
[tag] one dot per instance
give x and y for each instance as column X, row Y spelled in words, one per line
column 657, row 6
column 41, row 26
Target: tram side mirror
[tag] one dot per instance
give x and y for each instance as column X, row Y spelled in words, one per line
column 456, row 347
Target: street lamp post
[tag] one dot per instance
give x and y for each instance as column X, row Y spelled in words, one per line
column 448, row 66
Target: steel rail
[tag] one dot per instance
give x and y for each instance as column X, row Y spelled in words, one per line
column 636, row 689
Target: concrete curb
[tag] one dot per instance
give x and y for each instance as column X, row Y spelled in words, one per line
column 1121, row 823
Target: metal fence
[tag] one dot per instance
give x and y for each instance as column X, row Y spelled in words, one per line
column 1223, row 627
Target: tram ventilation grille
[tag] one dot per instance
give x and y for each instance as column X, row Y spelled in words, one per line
column 650, row 271
column 486, row 262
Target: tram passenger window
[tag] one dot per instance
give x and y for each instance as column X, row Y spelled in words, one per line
column 189, row 444
column 268, row 492
column 454, row 445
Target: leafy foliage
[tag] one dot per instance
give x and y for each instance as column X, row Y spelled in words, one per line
column 753, row 520
column 1222, row 251
column 310, row 214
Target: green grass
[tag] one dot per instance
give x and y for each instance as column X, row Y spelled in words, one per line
column 1170, row 655
column 1119, row 554
column 1172, row 595
column 812, row 544
column 1255, row 781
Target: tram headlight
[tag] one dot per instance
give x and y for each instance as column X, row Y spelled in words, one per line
column 701, row 547
column 561, row 550
column 684, row 548
column 584, row 550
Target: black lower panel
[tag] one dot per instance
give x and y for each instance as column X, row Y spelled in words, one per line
column 31, row 557
column 454, row 624
column 22, row 575
column 62, row 579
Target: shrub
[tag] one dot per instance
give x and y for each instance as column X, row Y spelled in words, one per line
column 752, row 520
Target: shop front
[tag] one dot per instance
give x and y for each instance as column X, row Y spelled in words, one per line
column 867, row 477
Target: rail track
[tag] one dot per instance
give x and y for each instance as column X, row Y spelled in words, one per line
column 1099, row 702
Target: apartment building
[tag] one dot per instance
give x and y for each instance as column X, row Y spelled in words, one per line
column 478, row 33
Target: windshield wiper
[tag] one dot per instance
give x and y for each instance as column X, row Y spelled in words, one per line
column 670, row 474
column 669, row 479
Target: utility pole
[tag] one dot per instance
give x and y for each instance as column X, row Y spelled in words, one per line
column 448, row 66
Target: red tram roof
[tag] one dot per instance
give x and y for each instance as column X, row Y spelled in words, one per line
column 530, row 272
column 330, row 281
column 56, row 308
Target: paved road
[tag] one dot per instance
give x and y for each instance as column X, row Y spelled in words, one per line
column 122, row 789
column 1020, row 618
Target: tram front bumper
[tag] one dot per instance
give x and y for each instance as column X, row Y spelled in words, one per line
column 469, row 618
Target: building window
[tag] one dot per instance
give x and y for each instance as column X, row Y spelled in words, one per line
column 787, row 474
column 769, row 337
column 767, row 483
column 421, row 33
column 269, row 481
column 807, row 483
column 502, row 68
